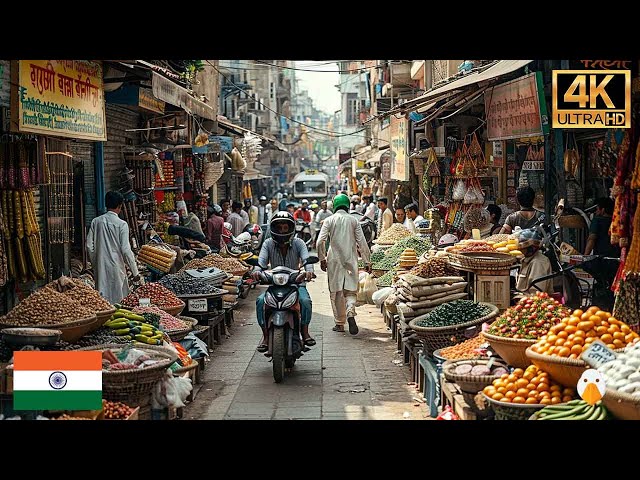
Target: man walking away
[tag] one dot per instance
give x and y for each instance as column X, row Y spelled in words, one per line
column 341, row 262
column 110, row 251
column 252, row 211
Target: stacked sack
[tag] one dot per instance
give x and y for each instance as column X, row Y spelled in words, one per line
column 416, row 295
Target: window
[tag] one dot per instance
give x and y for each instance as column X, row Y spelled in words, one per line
column 353, row 107
column 245, row 76
column 271, row 90
column 310, row 187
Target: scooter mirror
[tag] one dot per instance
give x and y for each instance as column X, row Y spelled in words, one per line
column 311, row 260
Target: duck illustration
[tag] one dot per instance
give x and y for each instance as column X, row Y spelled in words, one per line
column 591, row 386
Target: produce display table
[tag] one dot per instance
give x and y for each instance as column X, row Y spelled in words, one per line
column 430, row 384
column 463, row 404
column 209, row 311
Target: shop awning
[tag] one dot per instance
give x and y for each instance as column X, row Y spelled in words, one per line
column 344, row 165
column 458, row 86
column 378, row 155
column 253, row 174
column 238, row 130
column 170, row 92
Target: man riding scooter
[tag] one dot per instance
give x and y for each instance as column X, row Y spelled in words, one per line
column 282, row 249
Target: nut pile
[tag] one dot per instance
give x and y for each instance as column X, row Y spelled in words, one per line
column 159, row 296
column 184, row 285
column 394, row 233
column 167, row 322
column 88, row 297
column 46, row 307
column 392, row 255
column 433, row 267
column 215, row 260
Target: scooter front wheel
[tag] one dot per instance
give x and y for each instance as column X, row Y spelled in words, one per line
column 278, row 354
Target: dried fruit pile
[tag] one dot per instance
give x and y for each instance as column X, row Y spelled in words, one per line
column 159, row 296
column 530, row 319
column 183, row 284
column 464, row 351
column 392, row 234
column 167, row 322
column 214, row 260
column 116, row 410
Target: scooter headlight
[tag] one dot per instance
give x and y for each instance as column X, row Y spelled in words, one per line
column 270, row 300
column 290, row 300
column 280, row 279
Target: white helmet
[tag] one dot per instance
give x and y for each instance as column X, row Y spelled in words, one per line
column 228, row 226
column 305, row 202
column 355, row 198
column 244, row 237
column 448, row 238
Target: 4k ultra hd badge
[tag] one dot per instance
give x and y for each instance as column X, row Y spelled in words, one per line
column 591, row 98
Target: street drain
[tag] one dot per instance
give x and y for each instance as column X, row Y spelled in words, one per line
column 352, row 387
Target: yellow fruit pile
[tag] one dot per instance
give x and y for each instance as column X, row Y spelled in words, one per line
column 574, row 334
column 509, row 246
column 531, row 386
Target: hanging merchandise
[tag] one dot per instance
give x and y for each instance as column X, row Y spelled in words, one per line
column 476, row 152
column 60, row 215
column 571, row 156
column 4, row 274
column 238, row 163
column 459, row 190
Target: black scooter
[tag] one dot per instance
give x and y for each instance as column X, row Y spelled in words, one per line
column 282, row 316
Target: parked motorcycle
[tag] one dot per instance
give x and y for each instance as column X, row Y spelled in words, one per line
column 303, row 232
column 282, row 316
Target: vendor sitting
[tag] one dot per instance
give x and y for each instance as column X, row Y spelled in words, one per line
column 534, row 265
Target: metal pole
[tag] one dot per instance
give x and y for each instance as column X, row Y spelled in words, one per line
column 99, row 178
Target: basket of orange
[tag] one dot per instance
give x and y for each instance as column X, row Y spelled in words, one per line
column 518, row 395
column 559, row 351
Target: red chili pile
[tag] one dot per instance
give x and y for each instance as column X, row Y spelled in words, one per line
column 530, row 319
column 159, row 296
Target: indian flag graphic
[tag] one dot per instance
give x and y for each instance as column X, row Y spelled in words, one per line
column 57, row 380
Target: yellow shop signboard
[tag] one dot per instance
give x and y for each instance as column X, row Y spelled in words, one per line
column 58, row 97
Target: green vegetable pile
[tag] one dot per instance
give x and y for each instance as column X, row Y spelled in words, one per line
column 386, row 280
column 377, row 256
column 453, row 313
column 392, row 255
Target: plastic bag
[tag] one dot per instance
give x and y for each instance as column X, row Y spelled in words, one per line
column 370, row 288
column 171, row 391
column 459, row 190
column 381, row 295
column 361, row 294
column 447, row 414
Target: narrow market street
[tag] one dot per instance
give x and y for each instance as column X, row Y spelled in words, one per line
column 343, row 377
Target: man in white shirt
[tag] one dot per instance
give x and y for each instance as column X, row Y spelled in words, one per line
column 110, row 251
column 385, row 217
column 236, row 219
column 263, row 211
column 370, row 207
column 412, row 213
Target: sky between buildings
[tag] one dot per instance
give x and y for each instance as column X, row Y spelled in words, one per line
column 320, row 83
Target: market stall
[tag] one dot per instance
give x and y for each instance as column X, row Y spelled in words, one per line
column 483, row 358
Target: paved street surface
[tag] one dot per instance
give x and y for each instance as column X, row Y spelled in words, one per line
column 342, row 377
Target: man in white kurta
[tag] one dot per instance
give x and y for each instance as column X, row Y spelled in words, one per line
column 341, row 262
column 109, row 251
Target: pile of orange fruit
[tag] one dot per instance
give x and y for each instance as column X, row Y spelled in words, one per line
column 574, row 334
column 531, row 386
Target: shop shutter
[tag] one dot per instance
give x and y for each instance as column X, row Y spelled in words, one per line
column 119, row 119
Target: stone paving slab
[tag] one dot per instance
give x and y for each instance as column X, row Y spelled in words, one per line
column 343, row 377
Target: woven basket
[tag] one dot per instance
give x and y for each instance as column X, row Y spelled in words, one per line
column 571, row 221
column 188, row 368
column 134, row 387
column 565, row 371
column 175, row 311
column 480, row 260
column 71, row 331
column 103, row 317
column 435, row 338
column 512, row 411
column 511, row 350
column 177, row 335
column 469, row 383
column 622, row 405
